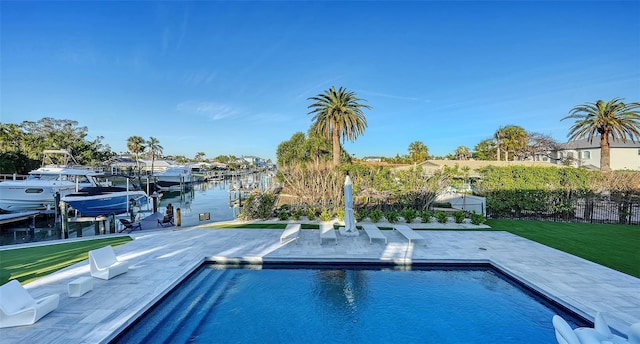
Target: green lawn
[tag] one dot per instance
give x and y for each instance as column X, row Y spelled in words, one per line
column 614, row 246
column 30, row 263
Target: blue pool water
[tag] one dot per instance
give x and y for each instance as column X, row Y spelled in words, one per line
column 346, row 305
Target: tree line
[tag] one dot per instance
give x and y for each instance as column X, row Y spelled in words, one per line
column 21, row 146
column 338, row 115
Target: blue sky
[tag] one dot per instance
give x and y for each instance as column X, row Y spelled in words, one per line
column 233, row 77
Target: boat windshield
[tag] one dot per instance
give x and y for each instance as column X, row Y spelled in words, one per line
column 43, row 176
column 55, row 176
column 75, row 177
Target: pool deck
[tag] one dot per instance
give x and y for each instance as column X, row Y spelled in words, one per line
column 161, row 259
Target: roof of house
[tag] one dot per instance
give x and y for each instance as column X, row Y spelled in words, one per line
column 595, row 143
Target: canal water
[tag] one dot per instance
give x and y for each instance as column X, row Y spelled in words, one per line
column 204, row 203
column 207, row 200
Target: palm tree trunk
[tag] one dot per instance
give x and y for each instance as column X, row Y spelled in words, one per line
column 336, row 146
column 138, row 165
column 605, row 153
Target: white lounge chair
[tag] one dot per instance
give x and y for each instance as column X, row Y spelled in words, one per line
column 601, row 333
column 409, row 233
column 327, row 232
column 290, row 233
column 19, row 308
column 104, row 264
column 373, row 232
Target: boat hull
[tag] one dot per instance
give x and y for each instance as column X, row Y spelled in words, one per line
column 174, row 179
column 163, row 185
column 17, row 196
column 38, row 191
column 93, row 205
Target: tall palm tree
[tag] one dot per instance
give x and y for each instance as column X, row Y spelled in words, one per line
column 612, row 120
column 155, row 149
column 136, row 145
column 338, row 114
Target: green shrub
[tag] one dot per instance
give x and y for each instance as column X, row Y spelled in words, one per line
column 340, row 214
column 425, row 216
column 311, row 214
column 442, row 216
column 409, row 214
column 283, row 214
column 392, row 216
column 326, row 215
column 258, row 206
column 296, row 214
column 376, row 215
column 477, row 219
column 361, row 215
column 458, row 216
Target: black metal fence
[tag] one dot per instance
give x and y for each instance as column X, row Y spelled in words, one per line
column 585, row 210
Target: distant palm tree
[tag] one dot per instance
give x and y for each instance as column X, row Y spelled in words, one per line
column 136, row 145
column 613, row 120
column 338, row 114
column 199, row 157
column 485, row 150
column 510, row 138
column 155, row 149
column 463, row 153
column 418, row 151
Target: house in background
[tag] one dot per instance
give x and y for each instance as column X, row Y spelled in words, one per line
column 247, row 161
column 582, row 153
column 372, row 159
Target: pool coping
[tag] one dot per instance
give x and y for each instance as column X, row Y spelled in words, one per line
column 161, row 260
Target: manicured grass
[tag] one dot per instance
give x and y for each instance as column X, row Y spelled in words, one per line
column 30, row 263
column 614, row 246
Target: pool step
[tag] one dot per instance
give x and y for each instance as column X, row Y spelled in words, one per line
column 197, row 314
column 161, row 322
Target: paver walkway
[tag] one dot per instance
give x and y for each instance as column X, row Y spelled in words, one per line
column 161, row 259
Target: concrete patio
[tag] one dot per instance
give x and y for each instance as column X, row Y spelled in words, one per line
column 161, row 259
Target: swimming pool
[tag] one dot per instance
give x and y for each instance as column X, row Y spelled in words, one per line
column 347, row 305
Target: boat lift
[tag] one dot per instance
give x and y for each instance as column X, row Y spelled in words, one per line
column 16, row 217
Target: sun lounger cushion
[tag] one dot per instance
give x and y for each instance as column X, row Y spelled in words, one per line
column 104, row 264
column 19, row 308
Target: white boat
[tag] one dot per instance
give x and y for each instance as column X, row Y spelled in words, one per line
column 59, row 173
column 174, row 178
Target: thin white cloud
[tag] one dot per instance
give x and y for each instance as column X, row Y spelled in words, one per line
column 392, row 96
column 79, row 56
column 270, row 118
column 211, row 110
column 199, row 77
column 317, row 88
column 166, row 37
